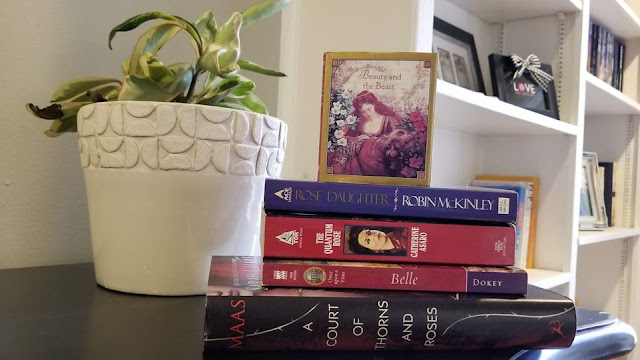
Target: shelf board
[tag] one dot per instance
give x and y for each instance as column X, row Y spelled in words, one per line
column 617, row 16
column 494, row 11
column 548, row 279
column 609, row 234
column 469, row 111
column 604, row 99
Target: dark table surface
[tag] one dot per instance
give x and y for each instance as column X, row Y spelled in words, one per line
column 58, row 312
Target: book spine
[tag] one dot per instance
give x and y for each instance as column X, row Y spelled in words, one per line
column 621, row 67
column 590, row 46
column 594, row 50
column 256, row 323
column 407, row 277
column 616, row 61
column 391, row 201
column 610, row 58
column 387, row 241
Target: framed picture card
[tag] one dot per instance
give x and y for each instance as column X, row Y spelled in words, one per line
column 458, row 59
column 592, row 210
column 523, row 91
column 377, row 117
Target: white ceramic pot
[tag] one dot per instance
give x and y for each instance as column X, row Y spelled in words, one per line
column 169, row 185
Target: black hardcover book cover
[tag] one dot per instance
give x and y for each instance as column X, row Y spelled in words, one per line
column 242, row 315
column 607, row 189
column 594, row 49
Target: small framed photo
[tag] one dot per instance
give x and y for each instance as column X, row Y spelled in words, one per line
column 592, row 211
column 522, row 91
column 377, row 117
column 458, row 59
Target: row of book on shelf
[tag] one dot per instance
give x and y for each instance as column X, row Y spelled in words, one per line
column 605, row 56
column 370, row 257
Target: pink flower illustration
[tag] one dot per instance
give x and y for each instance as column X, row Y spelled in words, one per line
column 408, row 172
column 422, row 137
column 419, row 126
column 415, row 116
column 416, row 162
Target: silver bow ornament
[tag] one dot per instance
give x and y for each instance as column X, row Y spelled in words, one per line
column 531, row 63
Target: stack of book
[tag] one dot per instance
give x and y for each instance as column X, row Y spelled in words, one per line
column 605, row 56
column 349, row 264
column 315, row 291
column 401, row 233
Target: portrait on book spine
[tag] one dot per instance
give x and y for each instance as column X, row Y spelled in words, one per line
column 377, row 118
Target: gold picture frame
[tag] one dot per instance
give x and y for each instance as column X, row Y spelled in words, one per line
column 377, row 117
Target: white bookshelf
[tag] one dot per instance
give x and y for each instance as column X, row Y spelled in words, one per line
column 498, row 117
column 548, row 279
column 478, row 134
column 610, row 234
column 493, row 11
column 617, row 16
column 604, row 99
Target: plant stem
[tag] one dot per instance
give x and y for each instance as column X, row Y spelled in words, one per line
column 192, row 87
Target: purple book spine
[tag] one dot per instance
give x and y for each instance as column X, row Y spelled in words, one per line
column 391, row 201
column 497, row 282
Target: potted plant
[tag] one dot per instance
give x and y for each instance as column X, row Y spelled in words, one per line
column 174, row 156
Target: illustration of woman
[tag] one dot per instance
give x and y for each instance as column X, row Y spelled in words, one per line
column 378, row 156
column 375, row 117
column 378, row 240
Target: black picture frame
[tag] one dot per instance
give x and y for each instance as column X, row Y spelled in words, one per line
column 523, row 91
column 458, row 59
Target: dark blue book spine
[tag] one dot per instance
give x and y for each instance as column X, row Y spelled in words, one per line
column 391, row 201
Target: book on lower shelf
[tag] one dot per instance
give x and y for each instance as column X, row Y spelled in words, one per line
column 243, row 315
column 607, row 180
column 528, row 188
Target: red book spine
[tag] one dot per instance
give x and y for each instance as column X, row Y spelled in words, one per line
column 355, row 275
column 388, row 241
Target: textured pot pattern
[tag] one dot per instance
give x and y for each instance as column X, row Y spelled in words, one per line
column 149, row 136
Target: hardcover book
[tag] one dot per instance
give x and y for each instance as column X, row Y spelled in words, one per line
column 416, row 277
column 377, row 117
column 356, row 239
column 242, row 315
column 455, row 203
column 608, row 189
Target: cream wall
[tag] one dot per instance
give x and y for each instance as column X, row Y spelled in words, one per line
column 310, row 28
column 43, row 211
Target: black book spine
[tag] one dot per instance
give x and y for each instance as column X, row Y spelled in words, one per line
column 621, row 67
column 595, row 50
column 397, row 322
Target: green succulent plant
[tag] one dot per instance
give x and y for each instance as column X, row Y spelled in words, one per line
column 215, row 67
